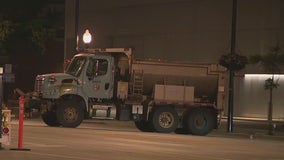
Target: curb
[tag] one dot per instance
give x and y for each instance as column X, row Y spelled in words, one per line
column 249, row 136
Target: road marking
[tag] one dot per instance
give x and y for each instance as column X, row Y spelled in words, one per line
column 45, row 145
column 59, row 156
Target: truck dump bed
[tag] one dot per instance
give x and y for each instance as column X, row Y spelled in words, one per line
column 207, row 80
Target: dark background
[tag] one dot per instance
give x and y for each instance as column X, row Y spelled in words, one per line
column 19, row 48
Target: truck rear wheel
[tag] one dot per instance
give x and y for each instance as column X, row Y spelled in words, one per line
column 50, row 119
column 164, row 119
column 69, row 113
column 200, row 121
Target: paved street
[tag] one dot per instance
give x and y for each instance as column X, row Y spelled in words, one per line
column 114, row 140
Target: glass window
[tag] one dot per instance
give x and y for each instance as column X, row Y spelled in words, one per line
column 76, row 66
column 102, row 66
column 97, row 67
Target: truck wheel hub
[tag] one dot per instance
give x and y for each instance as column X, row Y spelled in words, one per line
column 200, row 122
column 70, row 114
column 166, row 120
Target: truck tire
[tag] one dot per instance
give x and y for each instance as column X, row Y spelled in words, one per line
column 200, row 121
column 50, row 119
column 144, row 126
column 69, row 113
column 164, row 119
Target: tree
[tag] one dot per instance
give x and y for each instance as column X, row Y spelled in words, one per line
column 271, row 63
column 6, row 29
column 233, row 62
column 41, row 33
column 27, row 26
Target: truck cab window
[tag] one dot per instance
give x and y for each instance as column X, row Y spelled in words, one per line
column 90, row 69
column 76, row 66
column 102, row 65
column 96, row 67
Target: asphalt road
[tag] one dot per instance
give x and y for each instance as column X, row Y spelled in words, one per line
column 114, row 140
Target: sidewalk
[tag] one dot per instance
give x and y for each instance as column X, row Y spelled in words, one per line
column 251, row 129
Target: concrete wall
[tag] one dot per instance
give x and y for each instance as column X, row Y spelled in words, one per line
column 184, row 30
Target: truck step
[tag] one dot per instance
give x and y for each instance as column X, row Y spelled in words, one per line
column 103, row 118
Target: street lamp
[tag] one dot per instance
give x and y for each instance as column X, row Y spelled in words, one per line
column 87, row 38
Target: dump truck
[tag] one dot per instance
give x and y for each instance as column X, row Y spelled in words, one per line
column 158, row 96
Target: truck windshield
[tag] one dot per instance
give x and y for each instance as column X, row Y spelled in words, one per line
column 76, row 66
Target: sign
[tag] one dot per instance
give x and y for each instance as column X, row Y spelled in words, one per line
column 9, row 77
column 8, row 68
column 6, row 127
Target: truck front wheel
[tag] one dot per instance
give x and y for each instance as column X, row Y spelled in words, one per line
column 165, row 119
column 50, row 119
column 69, row 113
column 200, row 121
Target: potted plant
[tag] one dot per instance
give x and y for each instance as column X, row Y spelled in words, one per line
column 271, row 63
column 233, row 62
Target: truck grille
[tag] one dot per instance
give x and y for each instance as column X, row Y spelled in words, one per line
column 39, row 83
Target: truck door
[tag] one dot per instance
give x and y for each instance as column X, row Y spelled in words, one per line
column 99, row 78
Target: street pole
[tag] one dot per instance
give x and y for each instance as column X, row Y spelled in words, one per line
column 77, row 7
column 1, row 98
column 231, row 72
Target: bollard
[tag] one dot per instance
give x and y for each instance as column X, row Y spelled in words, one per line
column 21, row 125
column 21, row 122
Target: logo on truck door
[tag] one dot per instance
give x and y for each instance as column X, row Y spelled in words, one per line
column 96, row 87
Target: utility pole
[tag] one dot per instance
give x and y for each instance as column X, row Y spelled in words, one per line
column 1, row 99
column 232, row 72
column 77, row 7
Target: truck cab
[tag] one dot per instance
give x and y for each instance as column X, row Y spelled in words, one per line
column 96, row 74
column 90, row 78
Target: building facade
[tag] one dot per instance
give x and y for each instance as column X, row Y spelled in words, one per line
column 186, row 30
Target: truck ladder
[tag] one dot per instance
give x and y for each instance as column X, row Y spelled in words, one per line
column 137, row 87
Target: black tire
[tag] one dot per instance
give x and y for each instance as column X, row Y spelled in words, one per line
column 181, row 131
column 50, row 119
column 69, row 113
column 200, row 121
column 144, row 126
column 164, row 119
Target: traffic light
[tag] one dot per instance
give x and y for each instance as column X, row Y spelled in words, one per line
column 6, row 127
